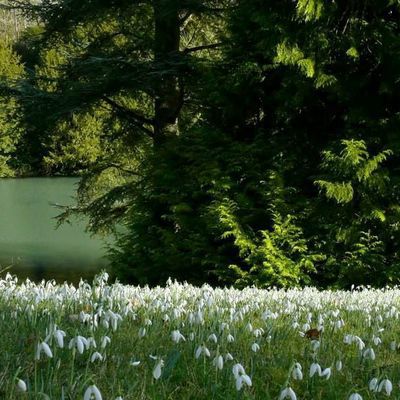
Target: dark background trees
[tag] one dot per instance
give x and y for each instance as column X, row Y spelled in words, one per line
column 235, row 142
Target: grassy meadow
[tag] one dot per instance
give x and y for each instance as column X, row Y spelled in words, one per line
column 112, row 342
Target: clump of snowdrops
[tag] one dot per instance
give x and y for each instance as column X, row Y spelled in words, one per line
column 119, row 342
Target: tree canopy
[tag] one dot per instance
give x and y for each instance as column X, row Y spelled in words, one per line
column 234, row 142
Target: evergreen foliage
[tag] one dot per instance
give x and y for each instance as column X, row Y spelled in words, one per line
column 238, row 142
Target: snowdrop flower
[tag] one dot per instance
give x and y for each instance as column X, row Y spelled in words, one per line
column 315, row 367
column 158, row 369
column 393, row 346
column 355, row 396
column 249, row 327
column 91, row 342
column 228, row 357
column 369, row 354
column 202, row 350
column 223, row 326
column 386, row 385
column 105, row 341
column 213, row 338
column 119, row 398
column 135, row 363
column 96, row 356
column 230, row 338
column 177, row 336
column 373, row 385
column 21, row 385
column 92, row 392
column 43, row 347
column 191, row 336
column 339, row 324
column 255, row 347
column 142, row 332
column 297, row 372
column 315, row 345
column 327, row 373
column 240, row 376
column 377, row 340
column 258, row 332
column 339, row 365
column 288, row 393
column 60, row 335
column 218, row 362
column 80, row 342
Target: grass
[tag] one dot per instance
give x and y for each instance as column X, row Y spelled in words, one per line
column 140, row 323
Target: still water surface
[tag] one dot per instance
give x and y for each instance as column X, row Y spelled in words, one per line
column 29, row 240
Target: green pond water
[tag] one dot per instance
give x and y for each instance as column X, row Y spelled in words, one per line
column 31, row 245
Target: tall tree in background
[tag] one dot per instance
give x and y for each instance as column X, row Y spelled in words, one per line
column 124, row 73
column 246, row 142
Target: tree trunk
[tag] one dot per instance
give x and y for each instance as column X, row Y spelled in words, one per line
column 166, row 51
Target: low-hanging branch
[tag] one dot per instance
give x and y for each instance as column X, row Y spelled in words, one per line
column 203, row 47
column 138, row 119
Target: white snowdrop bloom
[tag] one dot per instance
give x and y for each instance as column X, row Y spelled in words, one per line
column 369, row 353
column 21, row 385
column 202, row 350
column 79, row 342
column 148, row 322
column 295, row 325
column 339, row 324
column 326, row 373
column 315, row 368
column 305, row 327
column 255, row 347
column 315, row 344
column 241, row 377
column 355, row 396
column 230, row 338
column 288, row 393
column 96, row 356
column 393, row 346
column 348, row 339
column 223, row 326
column 43, row 348
column 105, row 341
column 92, row 393
column 297, row 372
column 91, row 342
column 213, row 338
column 360, row 343
column 258, row 332
column 377, row 340
column 105, row 323
column 228, row 357
column 386, row 385
column 249, row 327
column 158, row 369
column 218, row 362
column 165, row 318
column 237, row 370
column 142, row 332
column 119, row 398
column 177, row 336
column 59, row 335
column 373, row 385
column 339, row 365
column 135, row 363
